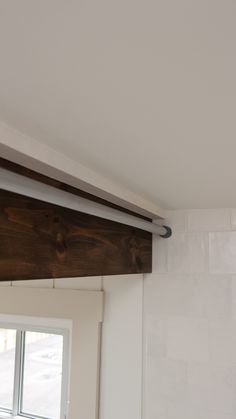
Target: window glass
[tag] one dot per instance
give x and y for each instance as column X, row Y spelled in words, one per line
column 7, row 367
column 42, row 375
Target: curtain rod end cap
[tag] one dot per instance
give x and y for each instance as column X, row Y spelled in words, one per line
column 167, row 234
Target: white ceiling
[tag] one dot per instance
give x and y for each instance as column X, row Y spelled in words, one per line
column 141, row 91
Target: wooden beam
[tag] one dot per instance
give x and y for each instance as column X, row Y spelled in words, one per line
column 24, row 171
column 40, row 240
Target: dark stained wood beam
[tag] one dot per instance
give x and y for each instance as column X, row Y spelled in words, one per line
column 40, row 240
column 21, row 170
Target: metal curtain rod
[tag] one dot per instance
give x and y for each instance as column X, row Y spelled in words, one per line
column 16, row 183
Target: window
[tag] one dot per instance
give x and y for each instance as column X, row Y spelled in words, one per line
column 77, row 316
column 33, row 372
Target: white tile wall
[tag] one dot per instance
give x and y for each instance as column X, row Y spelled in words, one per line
column 187, row 339
column 211, row 297
column 206, row 296
column 233, row 218
column 168, row 294
column 234, row 297
column 209, row 220
column 183, row 411
column 160, row 251
column 215, row 388
column 188, row 253
column 172, row 378
column 223, row 252
column 156, row 336
column 190, row 319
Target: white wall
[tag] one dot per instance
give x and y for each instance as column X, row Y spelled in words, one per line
column 121, row 385
column 190, row 319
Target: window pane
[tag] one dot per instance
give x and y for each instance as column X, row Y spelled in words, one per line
column 7, row 367
column 42, row 375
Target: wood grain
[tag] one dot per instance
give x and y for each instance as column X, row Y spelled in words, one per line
column 40, row 240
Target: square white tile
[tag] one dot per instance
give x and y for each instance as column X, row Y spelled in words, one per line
column 209, row 220
column 188, row 253
column 187, row 339
column 223, row 252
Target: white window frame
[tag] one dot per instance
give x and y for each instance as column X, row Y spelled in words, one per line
column 81, row 312
column 21, row 329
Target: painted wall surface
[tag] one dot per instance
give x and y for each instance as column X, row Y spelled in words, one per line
column 190, row 319
column 121, row 367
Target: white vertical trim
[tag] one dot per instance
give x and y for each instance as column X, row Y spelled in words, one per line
column 18, row 363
